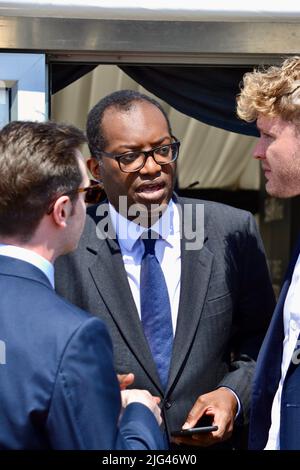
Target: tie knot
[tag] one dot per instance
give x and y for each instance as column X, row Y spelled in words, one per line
column 149, row 242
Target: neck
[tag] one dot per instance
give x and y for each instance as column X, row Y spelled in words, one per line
column 48, row 240
column 39, row 249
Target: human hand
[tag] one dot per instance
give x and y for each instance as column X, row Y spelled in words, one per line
column 221, row 405
column 125, row 380
column 144, row 397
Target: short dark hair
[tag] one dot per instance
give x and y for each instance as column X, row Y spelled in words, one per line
column 37, row 164
column 122, row 100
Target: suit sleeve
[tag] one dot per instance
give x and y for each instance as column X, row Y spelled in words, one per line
column 85, row 404
column 254, row 308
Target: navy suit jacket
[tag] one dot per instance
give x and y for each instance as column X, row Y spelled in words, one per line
column 58, row 385
column 266, row 381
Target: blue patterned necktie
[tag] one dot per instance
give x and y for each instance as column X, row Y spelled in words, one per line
column 156, row 309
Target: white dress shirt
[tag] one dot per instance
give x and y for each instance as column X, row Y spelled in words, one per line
column 291, row 322
column 167, row 251
column 30, row 257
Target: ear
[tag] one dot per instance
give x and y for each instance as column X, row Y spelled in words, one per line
column 62, row 210
column 94, row 167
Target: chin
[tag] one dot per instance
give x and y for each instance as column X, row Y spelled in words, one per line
column 278, row 191
column 274, row 191
column 280, row 194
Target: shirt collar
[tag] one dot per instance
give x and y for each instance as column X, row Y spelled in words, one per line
column 31, row 257
column 128, row 232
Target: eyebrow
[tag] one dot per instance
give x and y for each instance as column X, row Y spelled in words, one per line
column 133, row 148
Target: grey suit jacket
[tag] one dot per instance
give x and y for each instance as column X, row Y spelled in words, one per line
column 226, row 301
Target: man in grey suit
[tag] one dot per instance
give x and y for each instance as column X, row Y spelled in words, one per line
column 212, row 266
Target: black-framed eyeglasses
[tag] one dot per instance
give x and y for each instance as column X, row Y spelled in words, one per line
column 131, row 162
column 93, row 194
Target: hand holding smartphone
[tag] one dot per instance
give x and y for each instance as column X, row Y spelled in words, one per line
column 191, row 431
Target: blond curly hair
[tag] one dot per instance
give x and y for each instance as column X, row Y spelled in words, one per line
column 273, row 92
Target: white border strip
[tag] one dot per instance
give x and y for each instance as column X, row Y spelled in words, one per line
column 179, row 10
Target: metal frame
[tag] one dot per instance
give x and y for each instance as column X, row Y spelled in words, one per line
column 5, row 103
column 139, row 41
column 25, row 75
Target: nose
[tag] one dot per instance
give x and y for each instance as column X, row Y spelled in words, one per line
column 259, row 152
column 150, row 167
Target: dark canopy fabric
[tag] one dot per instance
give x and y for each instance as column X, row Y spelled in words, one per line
column 207, row 94
column 62, row 75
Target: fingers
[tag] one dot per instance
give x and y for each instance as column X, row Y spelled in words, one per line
column 199, row 408
column 144, row 397
column 209, row 438
column 200, row 440
column 156, row 399
column 204, row 440
column 125, row 380
column 220, row 405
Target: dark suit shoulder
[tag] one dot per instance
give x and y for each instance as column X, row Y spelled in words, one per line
column 221, row 216
column 217, row 207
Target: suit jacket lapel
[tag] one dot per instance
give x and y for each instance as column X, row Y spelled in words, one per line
column 196, row 266
column 110, row 278
column 267, row 376
column 268, row 368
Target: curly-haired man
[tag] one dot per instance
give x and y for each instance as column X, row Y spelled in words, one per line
column 272, row 98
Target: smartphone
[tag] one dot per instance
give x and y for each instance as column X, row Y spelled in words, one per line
column 190, row 431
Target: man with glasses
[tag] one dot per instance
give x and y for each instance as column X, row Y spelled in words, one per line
column 186, row 318
column 58, row 385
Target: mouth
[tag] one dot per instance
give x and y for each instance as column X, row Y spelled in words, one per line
column 266, row 170
column 151, row 191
